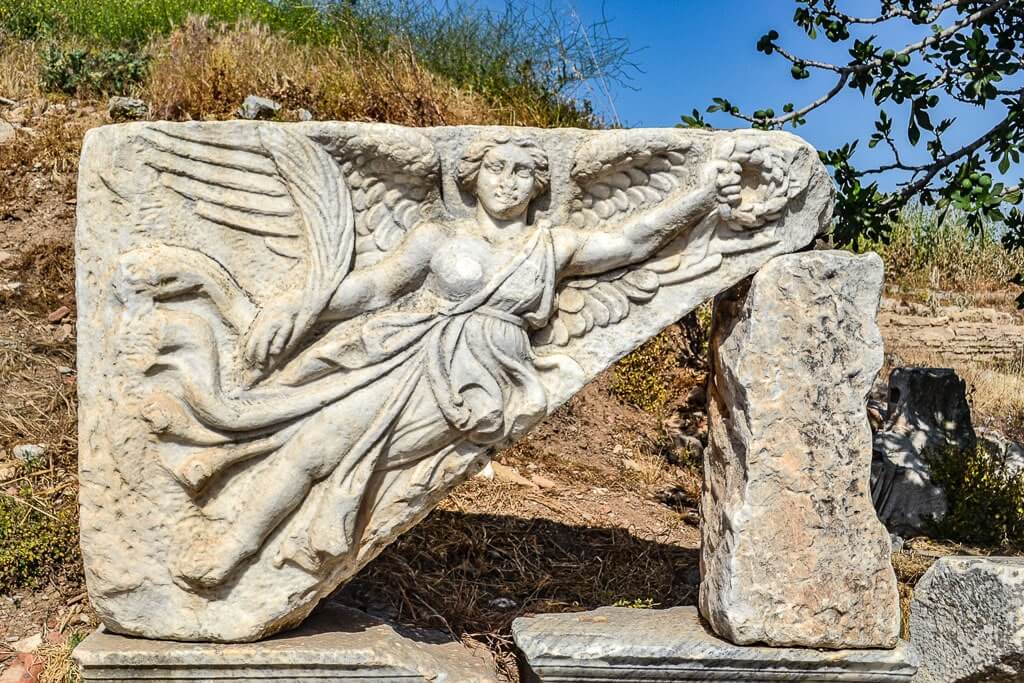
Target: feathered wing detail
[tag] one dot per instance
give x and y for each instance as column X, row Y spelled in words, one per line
column 269, row 181
column 585, row 303
column 322, row 197
column 394, row 175
column 625, row 173
column 618, row 175
column 232, row 181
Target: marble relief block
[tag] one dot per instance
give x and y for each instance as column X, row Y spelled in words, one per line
column 295, row 339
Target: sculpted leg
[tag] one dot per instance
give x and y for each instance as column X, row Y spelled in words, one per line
column 217, row 544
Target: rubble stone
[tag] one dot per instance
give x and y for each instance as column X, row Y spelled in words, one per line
column 967, row 620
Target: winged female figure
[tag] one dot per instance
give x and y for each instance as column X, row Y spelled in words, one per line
column 406, row 342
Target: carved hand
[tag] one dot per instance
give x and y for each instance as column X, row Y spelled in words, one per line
column 274, row 330
column 726, row 178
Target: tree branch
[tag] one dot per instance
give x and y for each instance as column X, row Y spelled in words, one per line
column 932, row 169
column 935, row 12
column 782, row 120
column 911, row 48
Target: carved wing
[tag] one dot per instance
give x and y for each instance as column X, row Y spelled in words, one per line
column 394, row 176
column 629, row 172
column 268, row 181
column 618, row 175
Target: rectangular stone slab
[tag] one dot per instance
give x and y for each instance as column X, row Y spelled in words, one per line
column 336, row 644
column 624, row 645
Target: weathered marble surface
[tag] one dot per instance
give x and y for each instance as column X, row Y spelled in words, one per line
column 967, row 620
column 336, row 644
column 793, row 554
column 928, row 414
column 624, row 645
column 294, row 339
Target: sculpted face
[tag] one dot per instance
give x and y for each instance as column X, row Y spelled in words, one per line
column 506, row 183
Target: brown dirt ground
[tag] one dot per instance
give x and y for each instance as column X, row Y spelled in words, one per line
column 588, row 510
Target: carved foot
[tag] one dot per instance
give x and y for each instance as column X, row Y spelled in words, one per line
column 300, row 554
column 193, row 472
column 209, row 553
column 165, row 415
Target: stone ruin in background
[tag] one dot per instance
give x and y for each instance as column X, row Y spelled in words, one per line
column 295, row 339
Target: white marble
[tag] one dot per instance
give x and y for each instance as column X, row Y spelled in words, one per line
column 967, row 620
column 673, row 645
column 793, row 554
column 335, row 644
column 295, row 339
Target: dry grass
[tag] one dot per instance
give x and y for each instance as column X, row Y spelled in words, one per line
column 43, row 156
column 203, row 72
column 59, row 667
column 19, row 68
column 38, row 406
column 923, row 257
column 448, row 571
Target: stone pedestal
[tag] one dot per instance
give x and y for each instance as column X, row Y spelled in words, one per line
column 335, row 644
column 625, row 645
column 793, row 554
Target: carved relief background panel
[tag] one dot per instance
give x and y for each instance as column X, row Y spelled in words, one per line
column 294, row 339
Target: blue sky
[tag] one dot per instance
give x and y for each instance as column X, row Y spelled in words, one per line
column 689, row 51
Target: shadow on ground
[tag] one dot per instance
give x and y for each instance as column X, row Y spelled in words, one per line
column 472, row 574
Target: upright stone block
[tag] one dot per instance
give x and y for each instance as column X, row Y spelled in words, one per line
column 793, row 553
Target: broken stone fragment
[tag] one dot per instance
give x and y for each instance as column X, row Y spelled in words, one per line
column 967, row 620
column 255, row 107
column 927, row 416
column 29, row 453
column 793, row 554
column 127, row 109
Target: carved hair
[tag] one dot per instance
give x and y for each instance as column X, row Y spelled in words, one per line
column 469, row 165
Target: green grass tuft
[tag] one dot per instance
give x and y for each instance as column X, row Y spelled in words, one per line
column 32, row 543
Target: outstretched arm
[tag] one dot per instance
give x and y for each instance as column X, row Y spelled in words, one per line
column 364, row 289
column 381, row 284
column 585, row 252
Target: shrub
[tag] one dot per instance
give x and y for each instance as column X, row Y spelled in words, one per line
column 82, row 72
column 985, row 497
column 33, row 543
column 921, row 254
column 643, row 377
